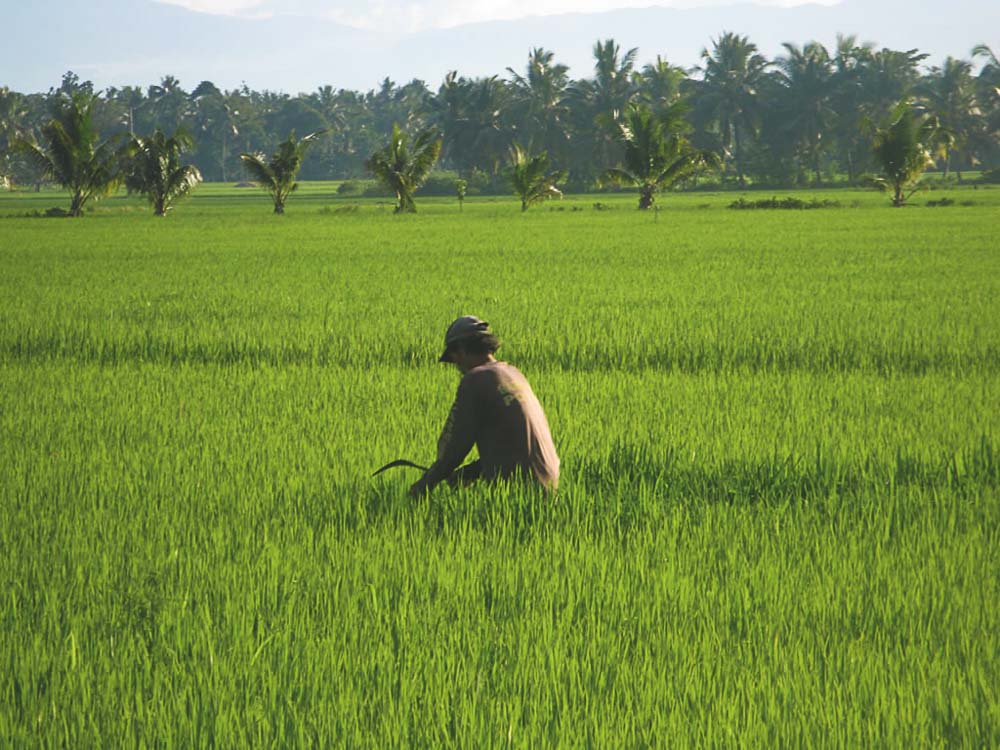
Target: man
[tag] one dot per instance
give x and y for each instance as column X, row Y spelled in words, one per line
column 496, row 410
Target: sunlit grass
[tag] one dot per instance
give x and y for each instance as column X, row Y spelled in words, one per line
column 778, row 522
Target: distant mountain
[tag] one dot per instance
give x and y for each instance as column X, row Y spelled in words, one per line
column 121, row 42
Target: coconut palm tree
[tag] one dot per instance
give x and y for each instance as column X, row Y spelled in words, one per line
column 612, row 88
column 470, row 115
column 328, row 102
column 598, row 104
column 215, row 120
column 806, row 79
column 989, row 75
column 657, row 155
column 728, row 92
column 12, row 119
column 887, row 77
column 988, row 103
column 659, row 83
column 539, row 101
column 446, row 112
column 403, row 168
column 530, row 178
column 153, row 168
column 988, row 86
column 846, row 100
column 483, row 134
column 949, row 93
column 277, row 173
column 72, row 153
column 902, row 148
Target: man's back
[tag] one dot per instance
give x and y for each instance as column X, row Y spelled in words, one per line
column 513, row 431
column 496, row 410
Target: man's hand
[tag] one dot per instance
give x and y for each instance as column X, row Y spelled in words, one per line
column 418, row 489
column 466, row 475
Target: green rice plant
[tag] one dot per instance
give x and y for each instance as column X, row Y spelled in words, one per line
column 777, row 523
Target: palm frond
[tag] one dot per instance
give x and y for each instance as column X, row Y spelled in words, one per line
column 619, row 176
column 36, row 157
column 312, row 137
column 402, row 168
column 258, row 169
column 529, row 177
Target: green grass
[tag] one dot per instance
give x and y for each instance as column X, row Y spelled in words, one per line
column 778, row 522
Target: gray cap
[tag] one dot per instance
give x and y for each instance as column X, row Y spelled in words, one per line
column 467, row 326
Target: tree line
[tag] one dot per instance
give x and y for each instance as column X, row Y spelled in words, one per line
column 809, row 116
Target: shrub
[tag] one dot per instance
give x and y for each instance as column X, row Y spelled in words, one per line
column 991, row 176
column 440, row 184
column 376, row 190
column 332, row 210
column 350, row 187
column 782, row 203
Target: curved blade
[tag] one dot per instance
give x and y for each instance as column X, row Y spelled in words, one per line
column 399, row 462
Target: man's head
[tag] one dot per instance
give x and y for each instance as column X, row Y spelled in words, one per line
column 468, row 343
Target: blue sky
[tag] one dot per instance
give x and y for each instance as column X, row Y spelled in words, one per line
column 414, row 15
column 195, row 47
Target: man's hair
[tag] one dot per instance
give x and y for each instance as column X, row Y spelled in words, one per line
column 483, row 343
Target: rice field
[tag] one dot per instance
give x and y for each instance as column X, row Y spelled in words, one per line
column 778, row 522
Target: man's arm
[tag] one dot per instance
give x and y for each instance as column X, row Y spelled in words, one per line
column 467, row 474
column 457, row 439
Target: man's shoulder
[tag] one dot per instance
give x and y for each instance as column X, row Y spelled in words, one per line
column 493, row 378
column 492, row 371
column 485, row 377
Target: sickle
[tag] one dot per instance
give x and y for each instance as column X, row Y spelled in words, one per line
column 400, row 462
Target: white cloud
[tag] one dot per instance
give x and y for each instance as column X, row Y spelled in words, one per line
column 409, row 15
column 218, row 7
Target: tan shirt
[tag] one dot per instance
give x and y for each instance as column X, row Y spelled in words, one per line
column 496, row 410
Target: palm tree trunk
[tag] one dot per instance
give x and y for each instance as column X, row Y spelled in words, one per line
column 76, row 205
column 738, row 152
column 898, row 199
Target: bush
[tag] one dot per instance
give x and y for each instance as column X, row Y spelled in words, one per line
column 481, row 183
column 991, row 176
column 48, row 213
column 782, row 203
column 350, row 187
column 441, row 184
column 332, row 210
column 377, row 190
column 444, row 183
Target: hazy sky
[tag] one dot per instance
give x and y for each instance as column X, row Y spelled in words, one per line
column 404, row 15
